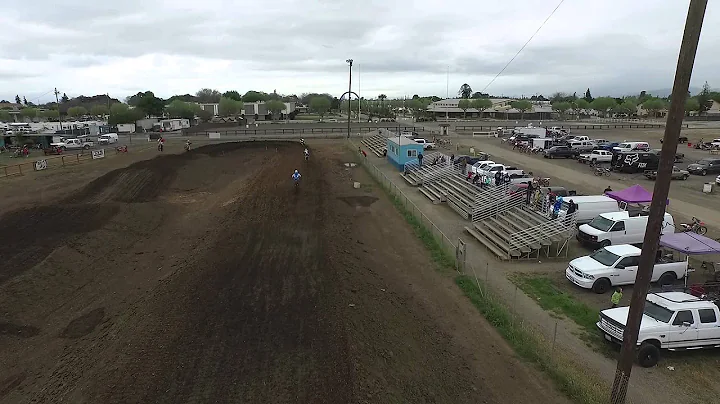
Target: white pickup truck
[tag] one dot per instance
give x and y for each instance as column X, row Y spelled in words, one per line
column 596, row 156
column 491, row 169
column 73, row 144
column 617, row 265
column 671, row 320
column 426, row 145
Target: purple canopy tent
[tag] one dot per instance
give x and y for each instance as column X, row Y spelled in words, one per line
column 634, row 194
column 690, row 243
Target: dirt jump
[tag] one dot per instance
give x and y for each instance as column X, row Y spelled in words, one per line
column 205, row 277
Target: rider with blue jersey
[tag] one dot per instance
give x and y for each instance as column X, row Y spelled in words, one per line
column 296, row 177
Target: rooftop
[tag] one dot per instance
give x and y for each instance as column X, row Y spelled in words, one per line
column 403, row 141
column 679, row 300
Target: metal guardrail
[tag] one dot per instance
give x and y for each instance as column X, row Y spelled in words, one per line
column 481, row 128
column 298, row 131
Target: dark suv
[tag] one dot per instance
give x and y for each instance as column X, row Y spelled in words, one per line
column 705, row 166
column 560, row 151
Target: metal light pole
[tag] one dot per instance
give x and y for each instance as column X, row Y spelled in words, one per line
column 676, row 112
column 350, row 61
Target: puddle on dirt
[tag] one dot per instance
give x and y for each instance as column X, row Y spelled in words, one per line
column 84, row 324
column 363, row 201
column 9, row 384
column 19, row 331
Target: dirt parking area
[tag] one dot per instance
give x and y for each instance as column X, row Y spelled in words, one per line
column 694, row 372
column 205, row 277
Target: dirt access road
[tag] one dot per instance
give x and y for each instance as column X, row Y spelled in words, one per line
column 204, row 277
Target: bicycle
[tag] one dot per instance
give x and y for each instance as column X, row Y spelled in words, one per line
column 600, row 171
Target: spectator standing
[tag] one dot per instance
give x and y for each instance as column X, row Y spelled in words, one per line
column 420, row 159
column 616, row 297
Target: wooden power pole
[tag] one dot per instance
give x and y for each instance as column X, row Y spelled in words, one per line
column 676, row 113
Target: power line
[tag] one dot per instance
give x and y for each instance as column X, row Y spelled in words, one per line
column 523, row 47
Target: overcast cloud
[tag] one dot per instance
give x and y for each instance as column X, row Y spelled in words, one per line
column 399, row 47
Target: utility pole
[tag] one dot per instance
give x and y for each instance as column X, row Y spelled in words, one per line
column 676, row 113
column 447, row 92
column 350, row 61
column 358, row 70
column 57, row 101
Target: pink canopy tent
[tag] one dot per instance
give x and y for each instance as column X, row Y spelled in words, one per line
column 634, row 194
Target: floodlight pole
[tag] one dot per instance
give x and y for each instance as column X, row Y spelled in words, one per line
column 676, row 113
column 350, row 62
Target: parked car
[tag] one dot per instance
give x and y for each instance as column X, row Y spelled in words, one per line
column 108, row 138
column 426, row 145
column 589, row 207
column 596, row 156
column 601, row 142
column 582, row 146
column 619, row 228
column 677, row 174
column 609, row 146
column 632, row 146
column 616, row 266
column 635, row 161
column 560, row 151
column 717, row 180
column 710, row 165
column 681, row 139
column 671, row 320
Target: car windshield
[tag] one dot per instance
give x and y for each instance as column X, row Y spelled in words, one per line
column 604, row 257
column 601, row 223
column 704, row 162
column 657, row 312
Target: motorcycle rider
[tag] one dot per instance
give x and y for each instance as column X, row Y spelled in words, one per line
column 187, row 145
column 307, row 154
column 302, row 141
column 296, row 177
column 161, row 144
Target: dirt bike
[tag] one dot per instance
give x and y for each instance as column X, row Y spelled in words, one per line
column 600, row 171
column 697, row 226
column 187, row 147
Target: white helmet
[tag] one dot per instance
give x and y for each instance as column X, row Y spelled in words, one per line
column 296, row 171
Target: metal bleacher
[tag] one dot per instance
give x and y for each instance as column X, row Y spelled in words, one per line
column 376, row 143
column 416, row 175
column 523, row 233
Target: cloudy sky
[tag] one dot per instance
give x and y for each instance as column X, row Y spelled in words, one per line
column 399, row 47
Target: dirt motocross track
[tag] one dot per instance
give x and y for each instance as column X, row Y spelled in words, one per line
column 205, row 278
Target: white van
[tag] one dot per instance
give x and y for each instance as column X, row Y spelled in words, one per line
column 588, row 207
column 108, row 138
column 619, row 228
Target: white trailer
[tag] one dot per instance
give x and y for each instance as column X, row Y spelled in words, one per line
column 126, row 127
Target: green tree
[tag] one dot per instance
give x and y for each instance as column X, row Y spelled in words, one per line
column 561, row 107
column 229, row 107
column 464, row 104
column 382, row 98
column 29, row 113
column 628, row 107
column 5, row 116
column 25, row 101
column 320, row 105
column 76, row 112
column 704, row 99
column 181, row 109
column 522, row 106
column 588, row 97
column 654, row 105
column 208, row 95
column 99, row 110
column 51, row 114
column 275, row 107
column 643, row 96
column 64, row 98
column 255, row 96
column 465, row 91
column 17, row 99
column 151, row 105
column 481, row 104
column 603, row 104
column 233, row 95
column 203, row 114
column 692, row 104
column 122, row 113
column 579, row 105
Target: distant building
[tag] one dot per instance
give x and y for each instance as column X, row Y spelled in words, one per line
column 500, row 109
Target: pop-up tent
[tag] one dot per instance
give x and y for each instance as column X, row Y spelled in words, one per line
column 690, row 243
column 634, row 194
